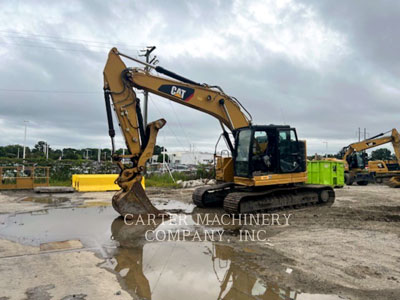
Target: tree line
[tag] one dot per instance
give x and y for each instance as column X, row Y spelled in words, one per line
column 41, row 151
column 378, row 154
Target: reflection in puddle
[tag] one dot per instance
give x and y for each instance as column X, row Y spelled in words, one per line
column 91, row 203
column 150, row 270
column 53, row 201
column 172, row 205
column 188, row 270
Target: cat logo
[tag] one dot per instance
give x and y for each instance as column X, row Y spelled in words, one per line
column 177, row 92
column 371, row 144
column 182, row 92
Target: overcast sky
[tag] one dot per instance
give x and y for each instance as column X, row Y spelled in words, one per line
column 324, row 67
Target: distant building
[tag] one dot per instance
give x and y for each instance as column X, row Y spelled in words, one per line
column 190, row 158
column 153, row 159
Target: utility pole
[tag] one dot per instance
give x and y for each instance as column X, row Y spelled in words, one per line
column 98, row 155
column 359, row 134
column 24, row 151
column 163, row 160
column 326, row 152
column 146, row 54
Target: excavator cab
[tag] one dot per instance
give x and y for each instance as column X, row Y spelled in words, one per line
column 357, row 160
column 263, row 150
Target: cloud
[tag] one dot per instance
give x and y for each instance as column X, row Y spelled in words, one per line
column 324, row 68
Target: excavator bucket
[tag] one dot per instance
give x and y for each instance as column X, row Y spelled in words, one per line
column 134, row 203
column 394, row 182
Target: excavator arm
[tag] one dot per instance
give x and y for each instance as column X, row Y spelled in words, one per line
column 396, row 144
column 120, row 84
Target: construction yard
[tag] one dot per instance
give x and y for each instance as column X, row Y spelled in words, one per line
column 74, row 246
column 199, row 150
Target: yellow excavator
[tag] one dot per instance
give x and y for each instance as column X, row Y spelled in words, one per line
column 384, row 169
column 355, row 161
column 267, row 169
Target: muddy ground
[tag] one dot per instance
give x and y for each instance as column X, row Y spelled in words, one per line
column 74, row 246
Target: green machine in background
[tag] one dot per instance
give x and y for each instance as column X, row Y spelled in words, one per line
column 325, row 172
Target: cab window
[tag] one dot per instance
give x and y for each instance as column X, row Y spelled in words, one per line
column 288, row 151
column 242, row 155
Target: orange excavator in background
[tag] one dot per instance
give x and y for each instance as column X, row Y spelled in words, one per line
column 267, row 169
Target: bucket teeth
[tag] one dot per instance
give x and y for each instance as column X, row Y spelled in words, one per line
column 134, row 203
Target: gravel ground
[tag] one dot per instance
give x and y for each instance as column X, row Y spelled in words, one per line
column 351, row 249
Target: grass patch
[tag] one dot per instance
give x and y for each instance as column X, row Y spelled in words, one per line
column 54, row 182
column 160, row 180
column 165, row 180
column 151, row 182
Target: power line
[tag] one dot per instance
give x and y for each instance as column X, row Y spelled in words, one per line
column 21, row 34
column 46, row 47
column 55, row 45
column 62, row 42
column 179, row 123
column 184, row 132
column 48, row 91
column 57, row 48
column 169, row 128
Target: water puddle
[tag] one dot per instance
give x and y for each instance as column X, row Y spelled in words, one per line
column 94, row 203
column 51, row 201
column 150, row 270
column 189, row 270
column 90, row 225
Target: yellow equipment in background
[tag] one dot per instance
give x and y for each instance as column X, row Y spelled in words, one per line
column 97, row 182
column 23, row 177
column 354, row 160
column 384, row 169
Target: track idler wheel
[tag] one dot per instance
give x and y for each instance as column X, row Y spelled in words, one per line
column 326, row 196
column 134, row 203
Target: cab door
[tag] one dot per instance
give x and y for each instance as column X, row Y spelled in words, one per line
column 290, row 156
column 242, row 155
